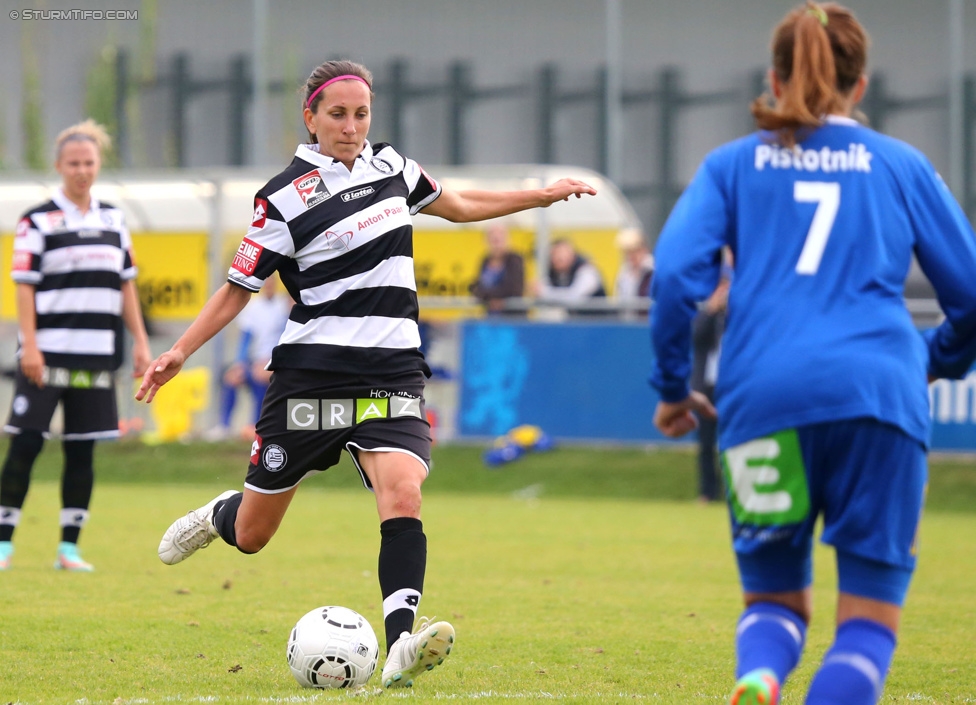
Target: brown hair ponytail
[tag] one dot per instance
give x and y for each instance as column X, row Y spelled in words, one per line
column 819, row 53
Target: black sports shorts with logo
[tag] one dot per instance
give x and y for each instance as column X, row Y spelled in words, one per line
column 87, row 398
column 309, row 416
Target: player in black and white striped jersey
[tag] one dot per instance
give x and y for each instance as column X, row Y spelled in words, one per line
column 348, row 372
column 75, row 278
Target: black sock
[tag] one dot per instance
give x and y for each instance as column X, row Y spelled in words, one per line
column 15, row 476
column 225, row 517
column 77, row 482
column 402, row 564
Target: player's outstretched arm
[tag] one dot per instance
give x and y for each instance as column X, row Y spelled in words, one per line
column 472, row 205
column 228, row 301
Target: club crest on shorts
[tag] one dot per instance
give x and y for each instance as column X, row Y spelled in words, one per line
column 274, row 457
column 21, row 405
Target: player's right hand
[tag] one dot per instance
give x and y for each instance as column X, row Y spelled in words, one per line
column 160, row 371
column 32, row 364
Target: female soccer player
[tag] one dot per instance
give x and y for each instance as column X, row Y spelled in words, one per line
column 335, row 225
column 822, row 398
column 76, row 287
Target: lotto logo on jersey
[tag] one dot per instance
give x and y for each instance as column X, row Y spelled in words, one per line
column 22, row 261
column 260, row 216
column 246, row 259
column 311, row 188
column 358, row 193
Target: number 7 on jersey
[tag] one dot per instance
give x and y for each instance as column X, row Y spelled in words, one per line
column 827, row 197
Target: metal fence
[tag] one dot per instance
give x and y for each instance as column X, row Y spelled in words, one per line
column 657, row 184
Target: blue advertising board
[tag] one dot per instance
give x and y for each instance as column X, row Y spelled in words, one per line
column 584, row 381
column 588, row 381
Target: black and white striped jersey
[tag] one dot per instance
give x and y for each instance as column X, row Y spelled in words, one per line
column 76, row 262
column 342, row 244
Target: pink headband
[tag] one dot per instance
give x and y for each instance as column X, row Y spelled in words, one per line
column 344, row 77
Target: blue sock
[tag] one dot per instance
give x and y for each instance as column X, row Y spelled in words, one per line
column 853, row 670
column 769, row 636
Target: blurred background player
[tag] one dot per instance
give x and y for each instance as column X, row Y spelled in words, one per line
column 822, row 400
column 501, row 274
column 350, row 346
column 75, row 279
column 261, row 323
column 706, row 338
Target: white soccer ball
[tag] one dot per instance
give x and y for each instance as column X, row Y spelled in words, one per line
column 332, row 647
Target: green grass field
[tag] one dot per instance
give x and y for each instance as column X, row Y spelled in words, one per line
column 580, row 575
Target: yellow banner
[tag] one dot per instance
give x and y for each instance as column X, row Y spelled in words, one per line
column 172, row 280
column 8, row 304
column 173, row 276
column 446, row 262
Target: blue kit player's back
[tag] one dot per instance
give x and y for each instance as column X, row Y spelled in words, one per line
column 822, row 405
column 822, row 236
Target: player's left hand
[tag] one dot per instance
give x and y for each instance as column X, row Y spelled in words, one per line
column 159, row 372
column 564, row 188
column 676, row 419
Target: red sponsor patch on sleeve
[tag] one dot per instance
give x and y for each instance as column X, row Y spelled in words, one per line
column 246, row 259
column 22, row 261
column 260, row 216
column 23, row 226
column 256, row 450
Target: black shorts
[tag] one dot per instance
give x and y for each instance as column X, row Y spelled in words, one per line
column 308, row 417
column 87, row 398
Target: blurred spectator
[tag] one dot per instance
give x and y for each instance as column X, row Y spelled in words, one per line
column 261, row 324
column 707, row 328
column 501, row 275
column 633, row 281
column 572, row 278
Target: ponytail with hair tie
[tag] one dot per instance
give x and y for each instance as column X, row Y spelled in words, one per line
column 818, row 12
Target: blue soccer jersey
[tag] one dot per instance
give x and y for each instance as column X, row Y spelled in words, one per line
column 822, row 237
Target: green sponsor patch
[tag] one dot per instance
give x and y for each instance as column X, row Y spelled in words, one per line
column 80, row 379
column 368, row 409
column 767, row 480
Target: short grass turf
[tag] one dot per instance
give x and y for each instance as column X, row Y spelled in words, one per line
column 580, row 575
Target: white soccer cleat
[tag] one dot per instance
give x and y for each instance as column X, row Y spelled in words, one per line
column 413, row 654
column 188, row 534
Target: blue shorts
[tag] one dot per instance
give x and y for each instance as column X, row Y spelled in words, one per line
column 866, row 478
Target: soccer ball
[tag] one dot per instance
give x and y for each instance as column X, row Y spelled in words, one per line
column 332, row 647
